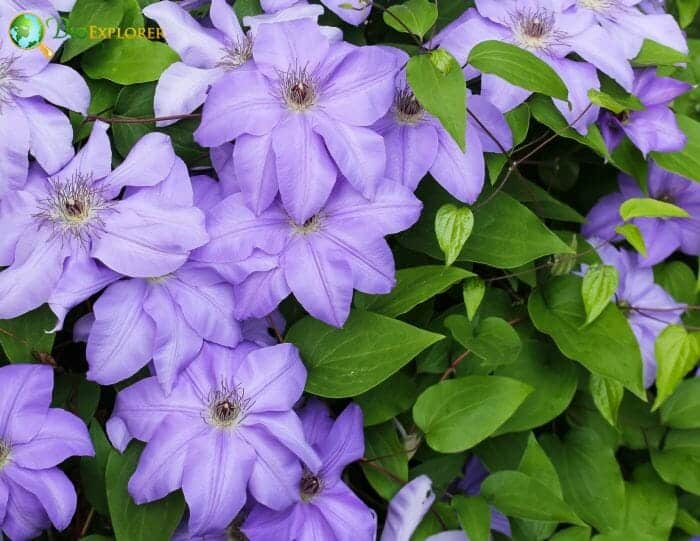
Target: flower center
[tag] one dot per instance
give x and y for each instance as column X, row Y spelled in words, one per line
column 598, row 5
column 227, row 407
column 73, row 207
column 8, row 78
column 623, row 116
column 310, row 486
column 408, row 109
column 236, row 55
column 312, row 225
column 535, row 29
column 298, row 89
column 4, row 453
column 159, row 279
column 666, row 198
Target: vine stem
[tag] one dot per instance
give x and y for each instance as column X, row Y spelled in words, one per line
column 138, row 120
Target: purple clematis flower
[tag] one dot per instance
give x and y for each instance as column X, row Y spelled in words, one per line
column 662, row 236
column 302, row 115
column 648, row 307
column 353, row 12
column 407, row 508
column 28, row 82
column 325, row 508
column 66, row 236
column 417, row 143
column 207, row 55
column 227, row 426
column 550, row 29
column 34, row 439
column 166, row 318
column 320, row 260
column 653, row 128
column 622, row 23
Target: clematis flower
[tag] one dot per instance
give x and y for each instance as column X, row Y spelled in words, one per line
column 301, row 116
column 30, row 89
column 34, row 439
column 548, row 29
column 325, row 508
column 66, row 236
column 226, row 427
column 662, row 236
column 622, row 22
column 354, row 12
column 320, row 260
column 653, row 128
column 648, row 307
column 407, row 508
column 417, row 143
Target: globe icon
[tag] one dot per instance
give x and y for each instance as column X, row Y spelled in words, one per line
column 27, row 31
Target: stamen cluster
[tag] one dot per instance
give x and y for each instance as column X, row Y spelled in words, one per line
column 408, row 109
column 227, row 406
column 535, row 29
column 298, row 88
column 238, row 54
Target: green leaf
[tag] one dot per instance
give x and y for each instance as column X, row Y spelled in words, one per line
column 98, row 14
column 438, row 84
column 677, row 352
column 128, row 61
column 687, row 9
column 633, row 235
column 506, row 233
column 639, row 207
column 655, row 54
column 150, row 522
column 678, row 467
column 597, row 288
column 27, row 337
column 366, row 351
column 474, row 516
column 519, row 495
column 413, row 287
column 442, row 469
column 518, row 67
column 417, row 16
column 473, row 293
column 607, row 396
column 546, row 113
column 590, row 477
column 384, row 453
column 457, row 414
column 540, row 201
column 395, row 395
column 92, row 470
column 247, row 8
column 686, row 162
column 682, row 409
column 103, row 96
column 535, row 463
column 453, row 225
column 678, row 279
column 575, row 533
column 613, row 97
column 550, row 374
column 606, row 347
column 493, row 340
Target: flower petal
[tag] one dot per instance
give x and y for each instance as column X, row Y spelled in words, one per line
column 411, row 150
column 321, row 281
column 407, row 508
column 460, row 173
column 655, row 128
column 26, row 395
column 255, row 170
column 95, row 158
column 305, row 171
column 181, row 89
column 345, row 443
column 260, row 293
column 14, row 147
column 60, row 85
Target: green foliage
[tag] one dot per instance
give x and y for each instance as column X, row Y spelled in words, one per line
column 687, row 161
column 366, row 351
column 86, row 14
column 453, row 226
column 27, row 338
column 414, row 16
column 597, row 288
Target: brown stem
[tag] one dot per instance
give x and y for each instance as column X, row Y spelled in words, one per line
column 453, row 366
column 136, row 120
column 382, row 470
column 88, row 520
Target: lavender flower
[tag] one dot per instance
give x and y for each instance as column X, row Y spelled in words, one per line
column 301, row 116
column 655, row 127
column 407, row 508
column 353, row 12
column 662, row 236
column 28, row 124
column 66, row 236
column 649, row 309
column 549, row 29
column 320, row 260
column 34, row 439
column 417, row 143
column 228, row 425
column 622, row 23
column 325, row 508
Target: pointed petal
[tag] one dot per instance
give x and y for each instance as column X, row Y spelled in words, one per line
column 347, row 513
column 214, row 481
column 224, row 18
column 94, row 158
column 411, row 150
column 289, row 44
column 656, row 129
column 121, row 339
column 305, row 171
column 598, row 47
column 60, row 85
column 483, row 116
column 14, row 147
column 407, row 508
column 321, row 282
column 261, row 293
column 181, row 89
column 26, row 395
column 255, row 170
column 579, row 78
column 345, row 443
column 460, row 173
